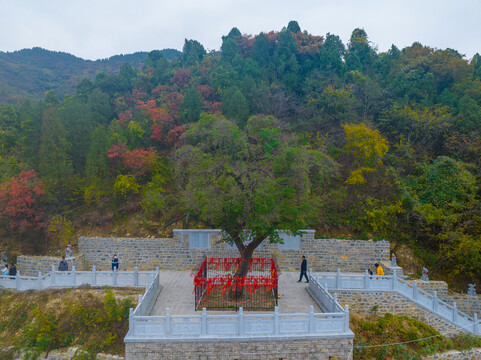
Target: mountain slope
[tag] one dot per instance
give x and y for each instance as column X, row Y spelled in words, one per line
column 29, row 73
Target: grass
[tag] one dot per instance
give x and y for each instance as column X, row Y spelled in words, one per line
column 93, row 319
column 398, row 337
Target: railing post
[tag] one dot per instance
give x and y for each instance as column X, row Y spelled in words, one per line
column 325, row 286
column 136, row 276
column 311, row 319
column 94, row 276
column 366, row 279
column 40, row 280
column 415, row 290
column 131, row 321
column 475, row 329
column 17, row 280
column 276, row 320
column 309, row 276
column 394, row 280
column 435, row 301
column 346, row 318
column 114, row 280
column 140, row 298
column 204, row 322
column 167, row 321
column 241, row 321
column 338, row 279
column 455, row 313
column 74, row 275
column 52, row 275
column 334, row 304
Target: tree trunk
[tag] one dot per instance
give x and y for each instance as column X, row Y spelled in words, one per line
column 245, row 260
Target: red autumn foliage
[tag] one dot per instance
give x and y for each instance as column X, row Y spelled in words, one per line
column 116, row 151
column 245, row 45
column 206, row 92
column 149, row 105
column 19, row 202
column 173, row 137
column 138, row 161
column 161, row 89
column 138, row 95
column 308, row 44
column 172, row 101
column 124, row 118
column 181, row 77
column 216, row 107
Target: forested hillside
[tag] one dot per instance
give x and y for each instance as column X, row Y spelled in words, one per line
column 29, row 73
column 389, row 143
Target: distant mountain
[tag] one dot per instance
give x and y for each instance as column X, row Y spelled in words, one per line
column 29, row 73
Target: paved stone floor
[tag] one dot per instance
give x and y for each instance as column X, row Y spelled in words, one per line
column 178, row 286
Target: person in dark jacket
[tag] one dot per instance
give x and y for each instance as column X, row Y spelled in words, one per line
column 304, row 269
column 115, row 263
column 12, row 271
column 63, row 266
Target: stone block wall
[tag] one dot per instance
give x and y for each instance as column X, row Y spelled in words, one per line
column 69, row 354
column 473, row 354
column 467, row 304
column 174, row 253
column 31, row 265
column 380, row 302
column 286, row 349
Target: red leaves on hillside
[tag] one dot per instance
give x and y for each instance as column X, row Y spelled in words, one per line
column 138, row 161
column 19, row 202
column 181, row 77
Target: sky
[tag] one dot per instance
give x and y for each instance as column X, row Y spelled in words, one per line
column 97, row 29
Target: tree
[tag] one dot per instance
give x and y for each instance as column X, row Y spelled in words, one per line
column 20, row 202
column 54, row 163
column 235, row 106
column 192, row 52
column 360, row 56
column 293, row 26
column 191, row 107
column 250, row 183
column 367, row 146
column 260, row 51
column 332, row 54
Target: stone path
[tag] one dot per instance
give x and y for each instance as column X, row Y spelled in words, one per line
column 177, row 294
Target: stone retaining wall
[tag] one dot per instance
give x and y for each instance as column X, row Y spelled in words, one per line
column 380, row 302
column 69, row 354
column 31, row 265
column 313, row 348
column 174, row 253
column 473, row 354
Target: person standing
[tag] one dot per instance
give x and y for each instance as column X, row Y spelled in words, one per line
column 12, row 271
column 115, row 263
column 303, row 269
column 5, row 271
column 379, row 270
column 63, row 266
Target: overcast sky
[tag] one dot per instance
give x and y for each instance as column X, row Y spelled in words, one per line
column 94, row 29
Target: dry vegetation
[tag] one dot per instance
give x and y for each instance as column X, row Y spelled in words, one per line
column 94, row 319
column 390, row 337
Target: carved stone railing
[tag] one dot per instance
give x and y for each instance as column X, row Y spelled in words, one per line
column 365, row 282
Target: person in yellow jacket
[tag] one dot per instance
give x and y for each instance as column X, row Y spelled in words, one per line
column 379, row 270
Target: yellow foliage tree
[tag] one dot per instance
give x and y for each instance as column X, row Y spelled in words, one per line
column 61, row 230
column 125, row 184
column 367, row 147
